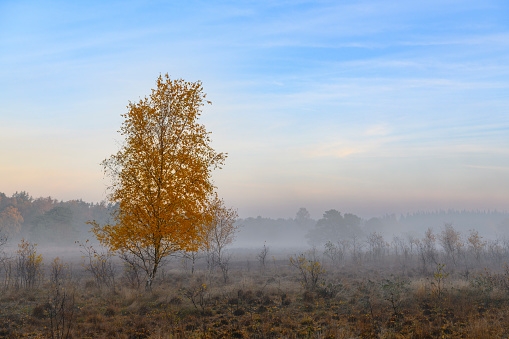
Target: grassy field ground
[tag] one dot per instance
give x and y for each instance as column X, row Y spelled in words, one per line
column 300, row 296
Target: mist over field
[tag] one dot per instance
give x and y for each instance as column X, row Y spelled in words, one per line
column 56, row 225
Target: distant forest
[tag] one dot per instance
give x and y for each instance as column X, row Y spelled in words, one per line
column 48, row 221
column 333, row 226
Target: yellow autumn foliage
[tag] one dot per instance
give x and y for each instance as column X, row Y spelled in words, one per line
column 161, row 175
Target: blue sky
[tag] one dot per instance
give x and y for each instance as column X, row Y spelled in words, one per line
column 368, row 107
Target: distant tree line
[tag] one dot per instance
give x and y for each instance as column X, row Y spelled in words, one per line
column 336, row 227
column 47, row 220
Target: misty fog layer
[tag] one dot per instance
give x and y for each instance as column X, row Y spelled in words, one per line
column 58, row 224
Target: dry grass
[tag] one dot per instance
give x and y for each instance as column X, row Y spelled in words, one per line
column 260, row 304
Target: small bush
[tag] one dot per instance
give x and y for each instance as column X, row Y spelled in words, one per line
column 40, row 311
column 110, row 312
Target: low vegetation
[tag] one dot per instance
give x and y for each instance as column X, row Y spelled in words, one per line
column 389, row 292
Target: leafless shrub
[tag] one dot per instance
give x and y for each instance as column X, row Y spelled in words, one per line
column 224, row 265
column 220, row 233
column 451, row 242
column 59, row 272
column 377, row 246
column 9, row 272
column 262, row 256
column 402, row 250
column 61, row 313
column 99, row 264
column 428, row 254
column 393, row 290
column 476, row 245
column 197, row 294
column 334, row 252
column 193, row 257
column 132, row 269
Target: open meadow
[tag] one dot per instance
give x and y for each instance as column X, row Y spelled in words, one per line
column 373, row 292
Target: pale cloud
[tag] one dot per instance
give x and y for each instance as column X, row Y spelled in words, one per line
column 377, row 130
